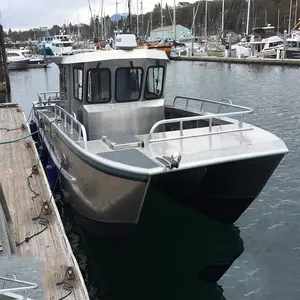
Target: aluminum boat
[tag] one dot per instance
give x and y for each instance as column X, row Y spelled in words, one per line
column 111, row 136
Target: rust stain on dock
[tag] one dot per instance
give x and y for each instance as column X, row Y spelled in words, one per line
column 51, row 247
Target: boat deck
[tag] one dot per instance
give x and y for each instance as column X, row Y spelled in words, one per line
column 51, row 247
column 222, row 141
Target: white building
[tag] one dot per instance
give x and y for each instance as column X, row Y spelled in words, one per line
column 167, row 33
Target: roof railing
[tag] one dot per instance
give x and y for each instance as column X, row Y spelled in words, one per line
column 48, row 98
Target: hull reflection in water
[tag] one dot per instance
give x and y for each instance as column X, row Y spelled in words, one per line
column 175, row 253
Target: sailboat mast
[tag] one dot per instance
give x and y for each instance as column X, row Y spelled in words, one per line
column 290, row 17
column 223, row 9
column 278, row 20
column 137, row 17
column 161, row 18
column 248, row 17
column 205, row 24
column 129, row 14
column 150, row 23
column 174, row 21
column 117, row 27
column 142, row 13
column 296, row 8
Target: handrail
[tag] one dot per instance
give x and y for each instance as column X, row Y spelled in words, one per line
column 197, row 118
column 30, row 285
column 64, row 115
column 48, row 100
column 220, row 103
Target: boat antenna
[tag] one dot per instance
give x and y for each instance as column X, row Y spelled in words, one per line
column 129, row 15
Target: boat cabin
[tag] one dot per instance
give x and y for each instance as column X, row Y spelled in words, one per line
column 260, row 33
column 116, row 91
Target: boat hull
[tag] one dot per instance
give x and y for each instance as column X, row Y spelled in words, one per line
column 103, row 196
column 41, row 51
column 216, row 53
column 223, row 191
column 17, row 65
column 292, row 54
column 113, row 202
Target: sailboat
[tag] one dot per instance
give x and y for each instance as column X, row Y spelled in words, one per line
column 214, row 48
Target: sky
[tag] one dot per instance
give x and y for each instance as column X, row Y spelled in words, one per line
column 26, row 14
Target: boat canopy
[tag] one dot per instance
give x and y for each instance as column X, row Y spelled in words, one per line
column 98, row 56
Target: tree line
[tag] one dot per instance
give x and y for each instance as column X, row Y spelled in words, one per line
column 262, row 12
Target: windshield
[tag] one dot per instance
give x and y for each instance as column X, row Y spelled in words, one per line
column 128, row 84
column 154, row 82
column 99, row 86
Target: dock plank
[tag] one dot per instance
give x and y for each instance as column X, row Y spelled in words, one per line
column 51, row 247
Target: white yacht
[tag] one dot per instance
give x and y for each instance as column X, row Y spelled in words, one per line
column 293, row 45
column 16, row 60
column 264, row 42
column 111, row 136
column 54, row 45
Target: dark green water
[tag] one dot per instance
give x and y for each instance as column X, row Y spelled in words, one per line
column 170, row 255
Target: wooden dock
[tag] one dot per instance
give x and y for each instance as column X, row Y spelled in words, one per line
column 233, row 60
column 51, row 247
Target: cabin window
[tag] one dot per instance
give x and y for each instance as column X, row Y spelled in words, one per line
column 129, row 84
column 154, row 82
column 77, row 83
column 99, row 86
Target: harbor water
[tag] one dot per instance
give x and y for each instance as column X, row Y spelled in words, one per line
column 265, row 238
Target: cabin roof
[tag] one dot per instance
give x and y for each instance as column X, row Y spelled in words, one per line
column 114, row 54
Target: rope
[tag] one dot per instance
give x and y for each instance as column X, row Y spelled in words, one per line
column 22, row 126
column 29, row 185
column 19, row 139
column 43, row 222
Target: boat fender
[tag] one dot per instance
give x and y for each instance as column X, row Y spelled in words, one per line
column 52, row 175
column 44, row 155
column 33, row 128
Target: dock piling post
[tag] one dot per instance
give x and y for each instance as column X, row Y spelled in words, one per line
column 3, row 60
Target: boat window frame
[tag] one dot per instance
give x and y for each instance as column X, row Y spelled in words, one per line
column 87, row 86
column 81, row 68
column 163, row 82
column 141, row 88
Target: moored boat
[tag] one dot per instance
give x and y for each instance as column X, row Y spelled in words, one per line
column 111, row 137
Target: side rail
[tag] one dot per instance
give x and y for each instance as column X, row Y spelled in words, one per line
column 208, row 118
column 48, row 98
column 70, row 120
column 22, row 286
column 188, row 101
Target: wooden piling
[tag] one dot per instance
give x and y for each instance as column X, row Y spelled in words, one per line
column 3, row 61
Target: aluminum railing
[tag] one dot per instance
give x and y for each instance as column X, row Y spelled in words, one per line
column 207, row 117
column 13, row 278
column 48, row 98
column 220, row 104
column 70, row 120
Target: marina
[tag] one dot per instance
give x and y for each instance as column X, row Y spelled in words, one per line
column 273, row 206
column 26, row 201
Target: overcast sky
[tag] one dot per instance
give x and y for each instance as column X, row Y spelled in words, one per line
column 26, row 14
